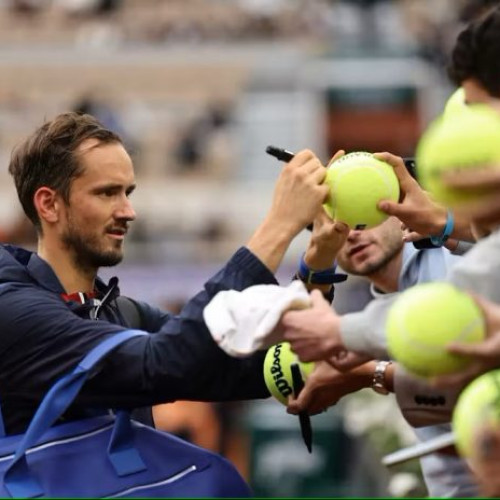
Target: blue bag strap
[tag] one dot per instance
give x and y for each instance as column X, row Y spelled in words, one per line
column 18, row 479
column 121, row 450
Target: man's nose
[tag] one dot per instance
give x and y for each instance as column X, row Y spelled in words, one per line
column 353, row 235
column 125, row 210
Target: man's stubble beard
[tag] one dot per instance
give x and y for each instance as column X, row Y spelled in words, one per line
column 85, row 251
column 371, row 268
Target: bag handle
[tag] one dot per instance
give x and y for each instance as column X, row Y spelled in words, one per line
column 18, row 479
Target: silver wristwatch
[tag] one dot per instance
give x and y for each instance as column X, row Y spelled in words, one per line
column 378, row 381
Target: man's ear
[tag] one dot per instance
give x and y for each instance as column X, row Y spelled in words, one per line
column 47, row 203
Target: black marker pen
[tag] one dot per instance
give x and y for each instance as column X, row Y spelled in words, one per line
column 280, row 154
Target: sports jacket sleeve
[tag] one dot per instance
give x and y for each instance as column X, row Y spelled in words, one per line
column 41, row 340
column 421, row 403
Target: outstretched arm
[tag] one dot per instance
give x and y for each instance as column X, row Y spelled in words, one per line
column 326, row 385
column 297, row 199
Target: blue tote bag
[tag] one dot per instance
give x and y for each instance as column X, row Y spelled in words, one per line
column 107, row 456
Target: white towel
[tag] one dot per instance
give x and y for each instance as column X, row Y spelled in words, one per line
column 244, row 322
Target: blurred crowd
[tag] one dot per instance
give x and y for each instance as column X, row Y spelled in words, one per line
column 185, row 127
column 425, row 26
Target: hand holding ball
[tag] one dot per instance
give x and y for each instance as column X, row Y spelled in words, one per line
column 466, row 139
column 424, row 319
column 478, row 407
column 277, row 371
column 357, row 182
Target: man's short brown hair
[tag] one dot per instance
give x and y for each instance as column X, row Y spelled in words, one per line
column 477, row 53
column 47, row 157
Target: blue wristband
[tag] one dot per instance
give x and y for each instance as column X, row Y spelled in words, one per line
column 439, row 241
column 324, row 277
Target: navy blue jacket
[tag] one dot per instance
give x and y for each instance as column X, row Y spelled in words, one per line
column 42, row 337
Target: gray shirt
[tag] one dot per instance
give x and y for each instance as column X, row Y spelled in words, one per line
column 445, row 476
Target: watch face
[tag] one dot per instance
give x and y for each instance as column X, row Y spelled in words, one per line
column 378, row 382
column 380, row 389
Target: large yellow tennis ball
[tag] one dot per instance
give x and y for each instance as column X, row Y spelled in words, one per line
column 357, row 182
column 277, row 371
column 424, row 319
column 477, row 408
column 455, row 103
column 466, row 139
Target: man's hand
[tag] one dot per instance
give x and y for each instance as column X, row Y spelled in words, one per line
column 348, row 360
column 416, row 209
column 327, row 238
column 325, row 386
column 299, row 192
column 485, row 355
column 314, row 333
column 419, row 213
column 297, row 199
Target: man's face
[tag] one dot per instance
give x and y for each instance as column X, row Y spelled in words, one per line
column 96, row 217
column 366, row 252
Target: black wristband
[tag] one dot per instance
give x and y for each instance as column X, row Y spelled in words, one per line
column 323, row 277
column 327, row 295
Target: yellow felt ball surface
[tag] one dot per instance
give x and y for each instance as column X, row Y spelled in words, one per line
column 357, row 182
column 424, row 319
column 478, row 406
column 455, row 103
column 277, row 371
column 465, row 139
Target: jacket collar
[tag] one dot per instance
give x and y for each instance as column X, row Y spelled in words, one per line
column 44, row 275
